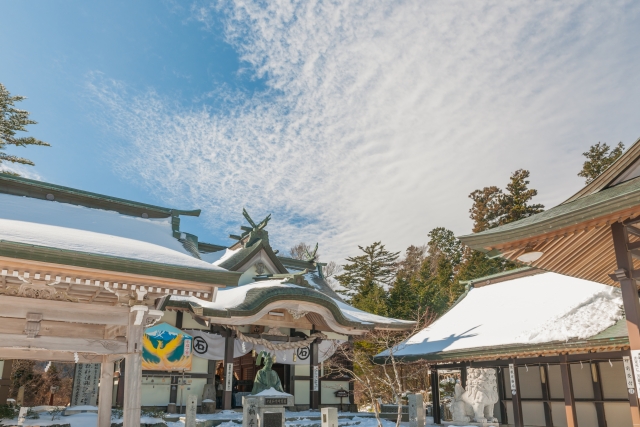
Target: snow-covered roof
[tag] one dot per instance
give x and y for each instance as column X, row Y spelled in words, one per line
column 536, row 309
column 64, row 226
column 253, row 300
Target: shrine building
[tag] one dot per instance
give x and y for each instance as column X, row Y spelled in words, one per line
column 94, row 279
column 566, row 355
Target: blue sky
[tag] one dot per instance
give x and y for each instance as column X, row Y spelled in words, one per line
column 350, row 121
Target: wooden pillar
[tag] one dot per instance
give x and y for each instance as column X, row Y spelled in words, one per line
column 502, row 396
column 229, row 342
column 5, row 381
column 435, row 396
column 314, row 393
column 630, row 301
column 463, row 376
column 106, row 393
column 133, row 379
column 546, row 395
column 567, row 389
column 597, row 394
column 516, row 401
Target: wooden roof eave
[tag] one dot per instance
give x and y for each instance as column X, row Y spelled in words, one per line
column 65, row 257
column 517, row 351
column 612, row 210
column 258, row 299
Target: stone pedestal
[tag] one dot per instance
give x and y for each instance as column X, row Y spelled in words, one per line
column 192, row 408
column 208, row 406
column 171, row 408
column 416, row 410
column 329, row 417
column 263, row 410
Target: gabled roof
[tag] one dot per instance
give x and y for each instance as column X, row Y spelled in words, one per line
column 539, row 314
column 253, row 300
column 245, row 254
column 40, row 229
column 610, row 176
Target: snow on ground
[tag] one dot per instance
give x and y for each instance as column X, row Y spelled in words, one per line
column 533, row 309
column 77, row 228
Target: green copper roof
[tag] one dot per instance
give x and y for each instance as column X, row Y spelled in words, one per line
column 19, row 186
column 622, row 196
column 112, row 263
column 258, row 298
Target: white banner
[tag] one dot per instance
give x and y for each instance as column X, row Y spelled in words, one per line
column 211, row 346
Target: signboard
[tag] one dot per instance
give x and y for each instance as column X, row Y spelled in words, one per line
column 315, row 378
column 512, row 379
column 85, row 384
column 276, row 401
column 165, row 348
column 341, row 393
column 628, row 374
column 228, row 378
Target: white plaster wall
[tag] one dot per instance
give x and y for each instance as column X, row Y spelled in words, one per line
column 303, row 370
column 581, row 379
column 618, row 414
column 530, row 384
column 558, row 414
column 328, row 389
column 247, row 276
column 155, row 395
column 169, row 317
column 555, row 382
column 196, row 387
column 302, row 389
column 614, row 385
column 586, row 412
column 189, row 323
column 533, row 413
column 199, row 365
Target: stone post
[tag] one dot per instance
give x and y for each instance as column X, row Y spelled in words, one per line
column 192, row 409
column 329, row 417
column 416, row 411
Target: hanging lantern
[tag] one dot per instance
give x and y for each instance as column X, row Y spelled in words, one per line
column 253, row 353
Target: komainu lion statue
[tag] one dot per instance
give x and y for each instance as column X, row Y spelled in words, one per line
column 476, row 403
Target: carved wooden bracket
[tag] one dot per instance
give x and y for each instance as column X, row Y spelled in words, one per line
column 32, row 328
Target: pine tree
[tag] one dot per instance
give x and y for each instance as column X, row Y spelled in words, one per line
column 493, row 207
column 366, row 276
column 14, row 120
column 599, row 158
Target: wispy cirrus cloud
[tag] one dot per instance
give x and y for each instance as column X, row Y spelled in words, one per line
column 379, row 118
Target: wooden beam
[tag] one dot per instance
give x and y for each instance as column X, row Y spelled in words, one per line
column 567, row 389
column 97, row 346
column 63, row 311
column 106, row 393
column 12, row 325
column 50, row 355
